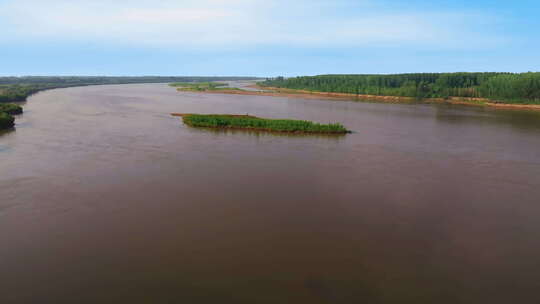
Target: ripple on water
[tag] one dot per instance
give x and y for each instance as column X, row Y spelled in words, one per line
column 104, row 196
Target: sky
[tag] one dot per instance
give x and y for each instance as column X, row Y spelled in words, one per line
column 266, row 38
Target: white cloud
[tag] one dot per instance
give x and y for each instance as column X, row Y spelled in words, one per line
column 233, row 23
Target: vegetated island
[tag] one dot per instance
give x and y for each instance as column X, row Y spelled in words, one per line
column 203, row 87
column 247, row 122
column 500, row 90
column 7, row 111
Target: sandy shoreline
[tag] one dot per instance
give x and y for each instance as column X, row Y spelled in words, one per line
column 281, row 92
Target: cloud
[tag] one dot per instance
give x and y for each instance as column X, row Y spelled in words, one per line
column 238, row 23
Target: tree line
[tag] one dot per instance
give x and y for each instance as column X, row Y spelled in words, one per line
column 19, row 88
column 508, row 87
column 86, row 80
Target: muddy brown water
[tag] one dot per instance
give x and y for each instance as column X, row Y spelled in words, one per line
column 107, row 198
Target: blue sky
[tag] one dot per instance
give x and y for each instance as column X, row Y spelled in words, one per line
column 266, row 38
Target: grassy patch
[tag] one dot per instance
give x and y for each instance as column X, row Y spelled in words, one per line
column 202, row 86
column 197, row 86
column 261, row 124
column 10, row 108
column 476, row 102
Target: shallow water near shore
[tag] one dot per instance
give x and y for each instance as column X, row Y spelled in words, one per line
column 107, row 198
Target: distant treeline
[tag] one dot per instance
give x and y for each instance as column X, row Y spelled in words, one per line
column 86, row 80
column 19, row 88
column 508, row 87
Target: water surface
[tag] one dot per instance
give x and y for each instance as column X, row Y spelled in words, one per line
column 106, row 198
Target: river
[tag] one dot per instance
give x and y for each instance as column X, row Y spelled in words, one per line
column 106, row 198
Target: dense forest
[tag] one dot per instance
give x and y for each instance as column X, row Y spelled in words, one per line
column 19, row 88
column 507, row 87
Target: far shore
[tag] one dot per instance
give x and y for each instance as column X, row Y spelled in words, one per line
column 291, row 93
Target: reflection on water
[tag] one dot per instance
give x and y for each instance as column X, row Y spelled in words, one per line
column 6, row 131
column 258, row 134
column 106, row 198
column 521, row 119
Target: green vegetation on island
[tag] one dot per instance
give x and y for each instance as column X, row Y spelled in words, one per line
column 201, row 86
column 247, row 122
column 197, row 86
column 522, row 88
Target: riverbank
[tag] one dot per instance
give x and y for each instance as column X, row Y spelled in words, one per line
column 470, row 101
column 291, row 93
column 478, row 88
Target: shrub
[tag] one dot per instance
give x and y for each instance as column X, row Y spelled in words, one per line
column 6, row 121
